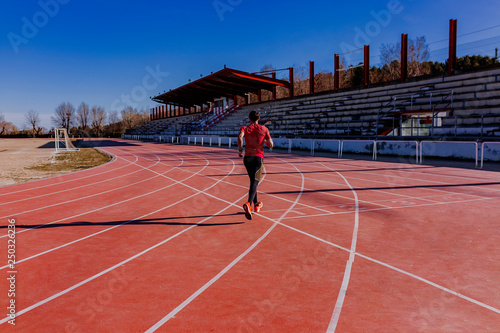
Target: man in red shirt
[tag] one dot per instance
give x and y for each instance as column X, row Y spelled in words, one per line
column 255, row 136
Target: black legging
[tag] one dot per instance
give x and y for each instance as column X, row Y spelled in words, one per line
column 254, row 170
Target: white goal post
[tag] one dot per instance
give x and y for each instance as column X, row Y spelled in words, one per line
column 61, row 136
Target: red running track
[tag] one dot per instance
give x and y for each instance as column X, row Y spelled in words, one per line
column 156, row 240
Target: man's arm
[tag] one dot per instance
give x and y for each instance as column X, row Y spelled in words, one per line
column 240, row 144
column 269, row 141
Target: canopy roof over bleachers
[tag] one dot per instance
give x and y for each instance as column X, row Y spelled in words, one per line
column 224, row 83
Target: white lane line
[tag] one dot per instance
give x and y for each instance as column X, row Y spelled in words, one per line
column 356, row 178
column 332, row 194
column 113, row 227
column 276, row 196
column 80, row 198
column 66, row 181
column 97, row 209
column 131, row 258
column 97, row 233
column 67, row 290
column 387, row 265
column 347, row 273
column 130, row 199
column 467, row 298
column 91, row 195
column 74, row 188
column 149, row 193
column 393, row 175
column 225, row 270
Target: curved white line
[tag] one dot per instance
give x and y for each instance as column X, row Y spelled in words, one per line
column 226, row 269
column 75, row 188
column 86, row 197
column 352, row 254
column 65, row 181
column 131, row 258
column 84, row 213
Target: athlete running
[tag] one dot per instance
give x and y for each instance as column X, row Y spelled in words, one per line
column 255, row 136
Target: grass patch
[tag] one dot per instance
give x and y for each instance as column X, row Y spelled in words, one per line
column 73, row 161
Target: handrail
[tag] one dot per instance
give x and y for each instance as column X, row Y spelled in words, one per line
column 471, row 142
column 313, row 144
column 482, row 150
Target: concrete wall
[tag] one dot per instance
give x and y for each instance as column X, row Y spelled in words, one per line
column 440, row 149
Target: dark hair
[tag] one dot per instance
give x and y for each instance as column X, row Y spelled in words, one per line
column 254, row 115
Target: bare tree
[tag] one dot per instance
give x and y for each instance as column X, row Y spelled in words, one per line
column 6, row 127
column 64, row 116
column 418, row 55
column 3, row 124
column 344, row 74
column 323, row 81
column 390, row 57
column 82, row 116
column 114, row 122
column 300, row 80
column 33, row 118
column 98, row 116
column 143, row 118
column 129, row 117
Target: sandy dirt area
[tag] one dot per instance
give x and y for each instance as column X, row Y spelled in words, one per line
column 18, row 155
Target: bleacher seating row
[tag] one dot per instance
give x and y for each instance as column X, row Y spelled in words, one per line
column 461, row 105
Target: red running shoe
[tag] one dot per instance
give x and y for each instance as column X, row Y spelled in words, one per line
column 258, row 206
column 248, row 211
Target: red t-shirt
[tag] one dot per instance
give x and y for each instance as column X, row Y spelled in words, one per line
column 255, row 135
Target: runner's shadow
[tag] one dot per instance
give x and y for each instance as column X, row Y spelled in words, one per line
column 141, row 222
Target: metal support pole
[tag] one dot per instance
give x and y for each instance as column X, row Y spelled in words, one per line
column 476, row 154
column 404, row 57
column 290, row 73
column 452, row 57
column 416, row 153
column 273, row 75
column 367, row 65
column 482, row 155
column 336, row 75
column 311, row 77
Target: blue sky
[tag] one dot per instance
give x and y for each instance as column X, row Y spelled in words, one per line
column 117, row 53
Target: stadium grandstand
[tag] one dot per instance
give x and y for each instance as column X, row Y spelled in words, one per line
column 451, row 106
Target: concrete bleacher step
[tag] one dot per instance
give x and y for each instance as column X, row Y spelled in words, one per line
column 474, row 93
